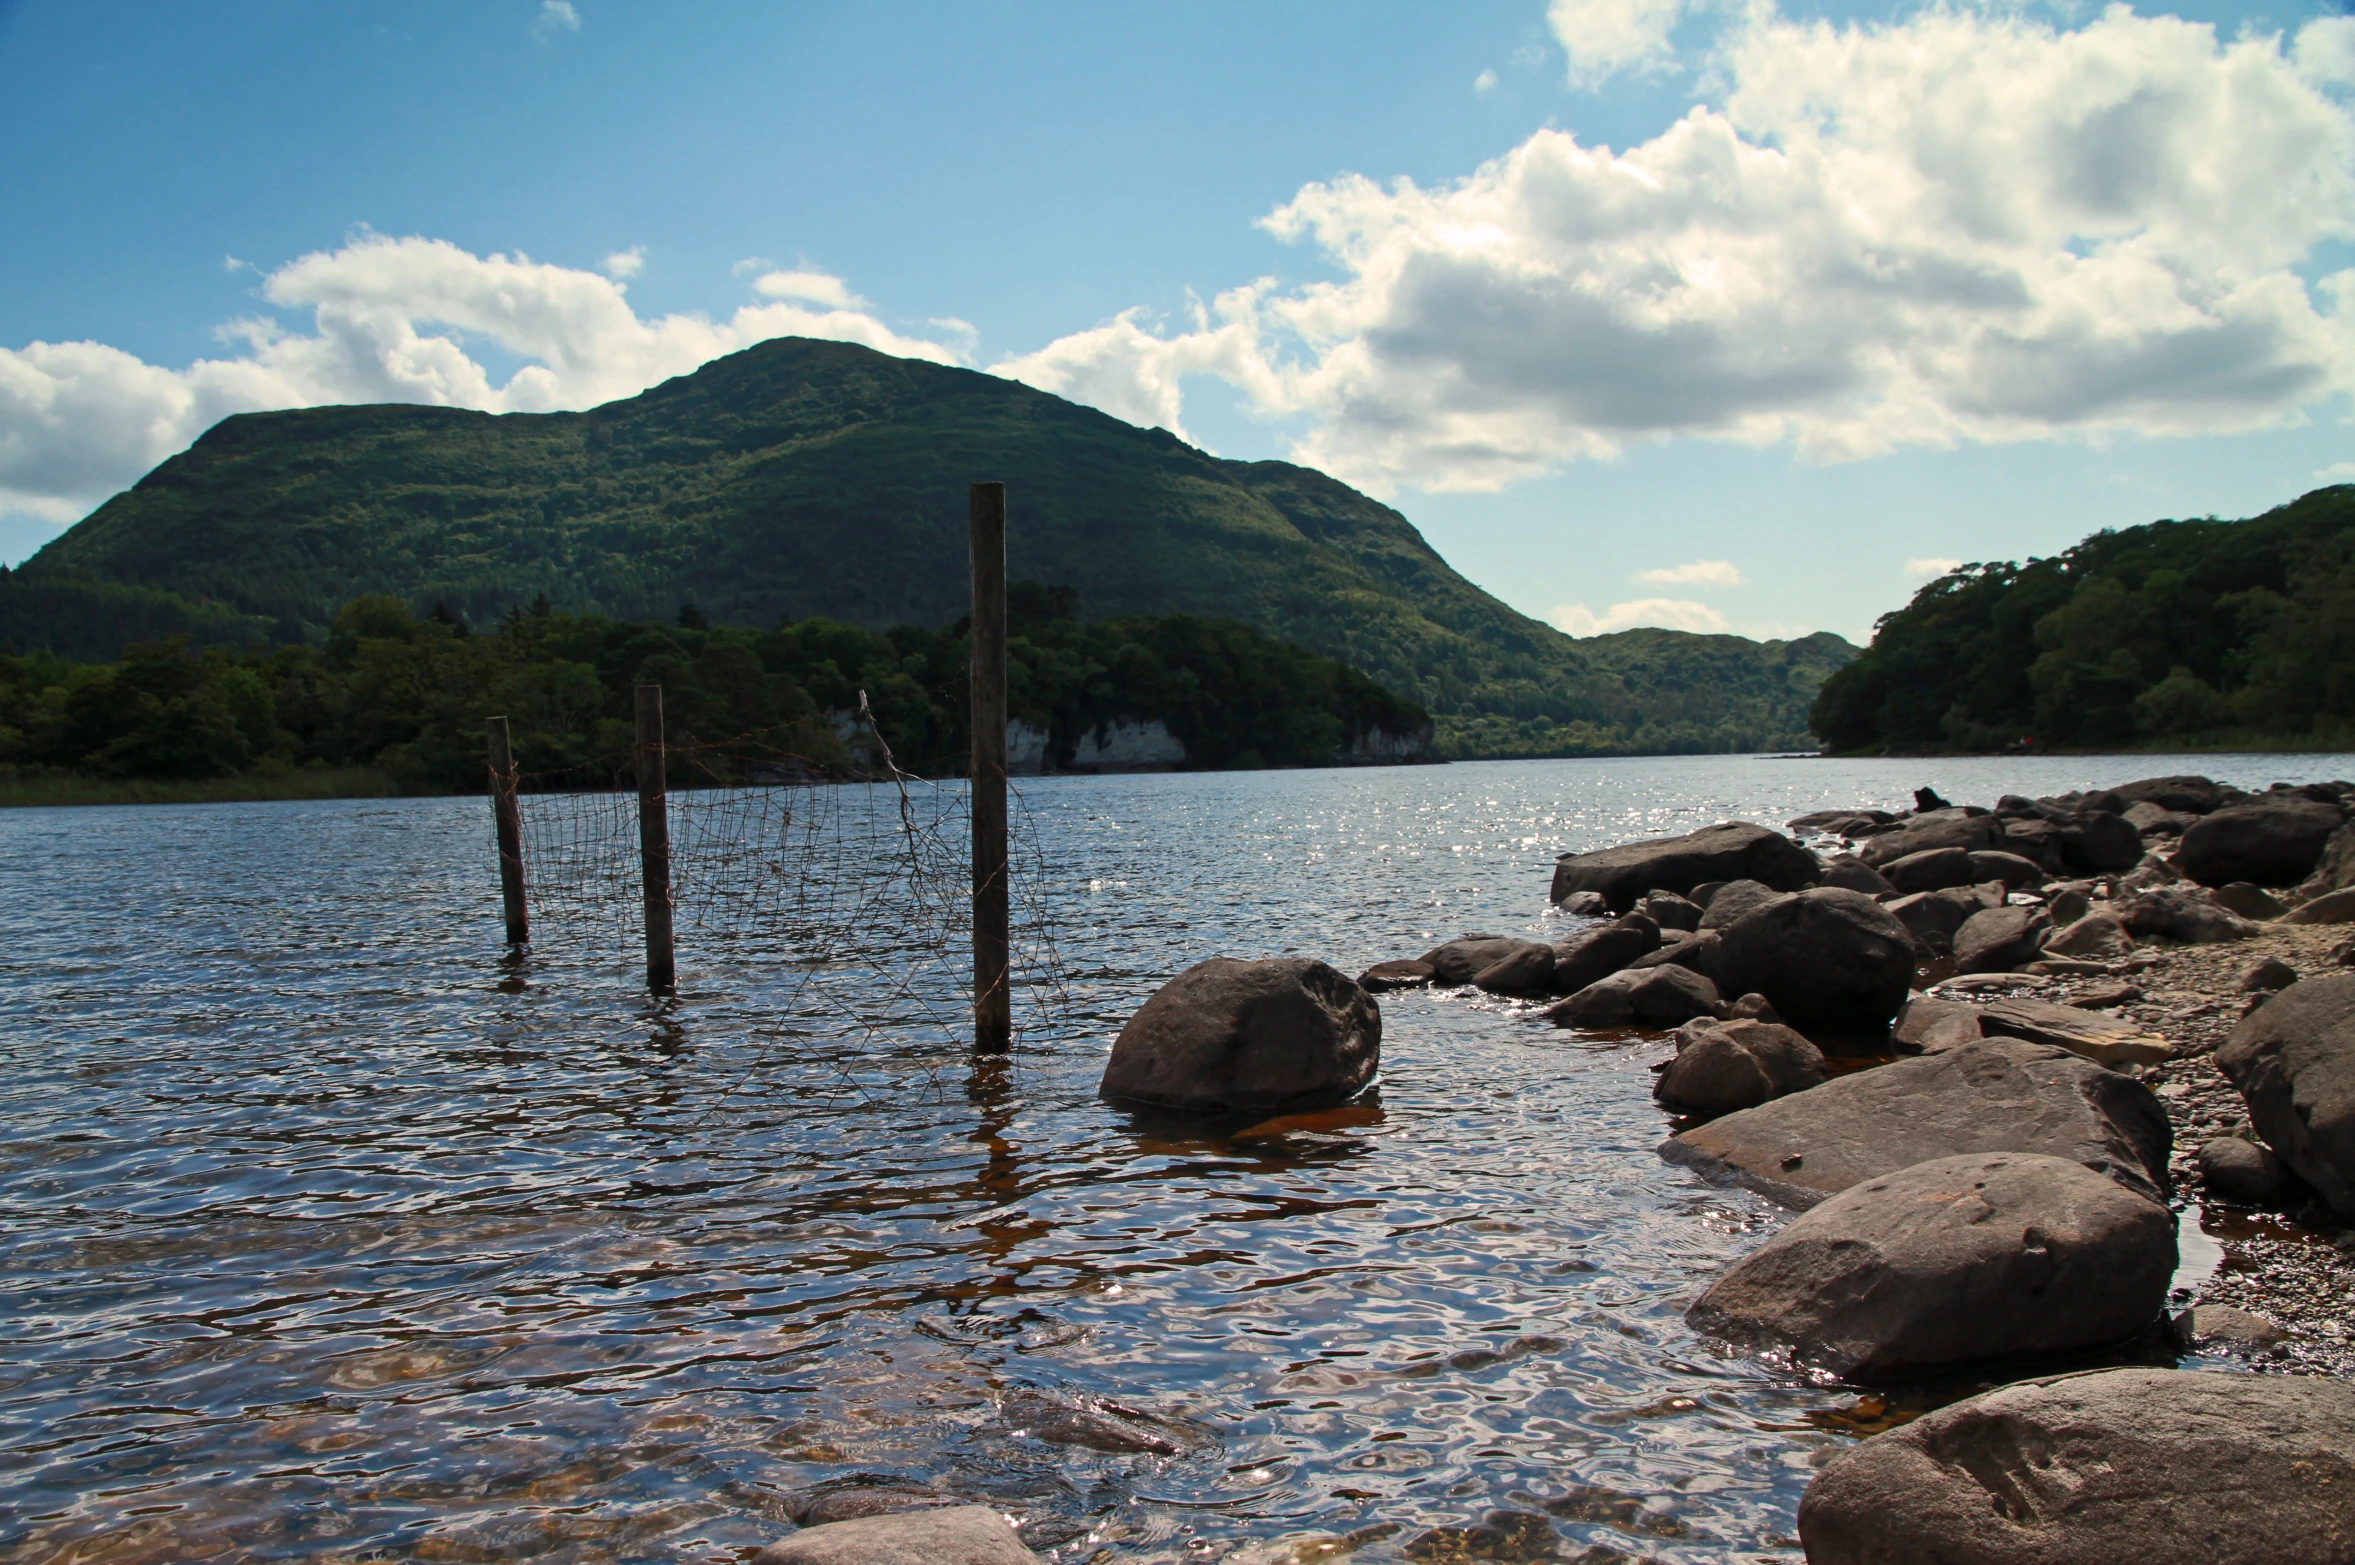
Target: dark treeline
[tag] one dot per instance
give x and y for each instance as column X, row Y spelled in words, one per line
column 407, row 694
column 2200, row 632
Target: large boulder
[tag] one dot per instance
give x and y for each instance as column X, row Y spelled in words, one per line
column 1724, row 1066
column 1654, row 997
column 2099, row 842
column 1669, row 910
column 1599, row 952
column 2293, row 1059
column 1954, row 1261
column 1266, row 1037
column 1825, row 958
column 1459, row 961
column 1932, row 917
column 2001, row 1095
column 2009, row 868
column 2035, row 839
column 1735, row 850
column 2335, row 870
column 1932, row 869
column 1851, row 873
column 2187, row 794
column 951, row 1535
column 2118, row 1467
column 1998, row 939
column 2275, row 841
column 1937, row 829
column 1737, row 897
column 1528, row 970
column 2182, row 913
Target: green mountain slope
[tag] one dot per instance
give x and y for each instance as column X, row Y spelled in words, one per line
column 804, row 478
column 2201, row 632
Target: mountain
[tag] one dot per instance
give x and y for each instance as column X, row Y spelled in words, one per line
column 2179, row 632
column 803, row 478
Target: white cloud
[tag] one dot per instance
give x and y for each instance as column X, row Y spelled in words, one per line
column 623, row 265
column 1967, row 226
column 1699, row 573
column 2325, row 49
column 2337, row 473
column 80, row 420
column 1484, row 82
column 1604, row 37
column 816, row 287
column 1138, row 375
column 1668, row 613
column 556, row 16
column 1929, row 569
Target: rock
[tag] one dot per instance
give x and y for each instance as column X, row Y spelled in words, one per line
column 849, row 1499
column 1735, row 850
column 1753, row 1008
column 1587, row 904
column 1850, row 873
column 1827, row 957
column 1932, row 917
column 2190, row 795
column 1383, row 977
column 1097, row 1424
column 2182, row 913
column 2155, row 821
column 2102, row 996
column 2095, row 937
column 1954, row 1261
column 1723, row 1066
column 2068, row 903
column 2105, row 1040
column 1600, row 952
column 2293, row 1059
column 2118, row 1467
column 954, row 1535
column 1603, row 1003
column 2335, row 871
column 1703, row 953
column 1668, row 995
column 2151, row 872
column 2002, row 1095
column 1998, row 939
column 1932, row 870
column 2247, row 1174
column 2013, row 870
column 2249, row 901
column 1529, row 970
column 1926, row 799
column 1263, row 1037
column 1942, row 829
column 2332, row 907
column 2273, row 842
column 2062, row 967
column 2100, row 842
column 2222, row 1326
column 1735, row 898
column 2036, row 840
column 2266, row 976
column 1669, row 910
column 1837, row 823
column 1927, row 1026
column 1707, row 891
column 1464, row 958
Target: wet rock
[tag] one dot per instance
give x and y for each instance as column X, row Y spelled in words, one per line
column 1998, row 939
column 1939, row 829
column 2247, row 1174
column 2099, row 842
column 1260, row 1037
column 1932, row 917
column 1383, row 977
column 864, row 1494
column 1457, row 962
column 2013, row 870
column 2276, row 841
column 1850, row 873
column 2181, row 913
column 2222, row 1326
column 1587, row 904
column 2105, row 1040
column 2332, row 907
column 1735, row 898
column 2266, row 976
column 1927, row 1026
column 1933, row 870
column 1603, row 1003
column 2293, row 1059
column 1735, row 850
column 2249, row 901
column 1723, row 1066
column 1669, row 910
column 1669, row 995
column 1098, row 1425
column 1949, row 1262
column 1500, row 1536
column 956, row 1535
column 2148, row 1466
column 2002, row 1095
column 2095, row 937
column 1529, row 970
column 1826, row 958
column 1600, row 952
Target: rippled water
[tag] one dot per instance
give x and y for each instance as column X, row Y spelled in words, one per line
column 333, row 1234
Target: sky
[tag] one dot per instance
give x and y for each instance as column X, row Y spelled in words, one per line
column 1697, row 313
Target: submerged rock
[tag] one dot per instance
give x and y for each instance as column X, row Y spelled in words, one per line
column 955, row 1535
column 1260, row 1037
column 1098, row 1425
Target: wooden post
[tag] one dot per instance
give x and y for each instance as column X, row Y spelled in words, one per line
column 654, row 840
column 993, row 1003
column 510, row 821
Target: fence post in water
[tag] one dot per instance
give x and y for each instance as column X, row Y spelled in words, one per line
column 654, row 840
column 510, row 821
column 993, row 1004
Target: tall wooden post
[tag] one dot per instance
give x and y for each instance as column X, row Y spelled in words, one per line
column 654, row 840
column 510, row 821
column 993, row 1003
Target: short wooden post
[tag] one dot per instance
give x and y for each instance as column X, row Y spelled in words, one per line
column 993, row 1003
column 510, row 821
column 654, row 840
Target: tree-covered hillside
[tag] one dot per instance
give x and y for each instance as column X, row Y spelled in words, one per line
column 801, row 479
column 2198, row 632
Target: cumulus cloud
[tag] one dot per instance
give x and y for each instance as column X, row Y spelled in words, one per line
column 1699, row 573
column 815, row 287
column 2336, row 473
column 556, row 16
column 1930, row 569
column 1484, row 82
column 1966, row 226
column 623, row 265
column 1136, row 374
column 80, row 420
column 1604, row 37
column 1668, row 613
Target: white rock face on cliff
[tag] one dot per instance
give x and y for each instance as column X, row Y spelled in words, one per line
column 1381, row 747
column 1126, row 746
column 1026, row 749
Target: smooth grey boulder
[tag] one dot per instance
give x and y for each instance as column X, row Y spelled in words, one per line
column 1735, row 898
column 1735, row 850
column 2275, row 841
column 2293, row 1059
column 1851, row 873
column 1958, row 1260
column 949, row 1535
column 1937, row 829
column 2099, row 842
column 1457, row 962
column 2116, row 1467
column 2097, row 937
column 1932, row 917
column 1998, row 939
column 1529, row 970
column 1669, row 910
column 1602, row 951
column 1933, row 869
column 1265, row 1037
column 1825, row 958
column 2182, row 913
column 2000, row 1095
column 2247, row 1174
column 2249, row 901
column 1724, row 1066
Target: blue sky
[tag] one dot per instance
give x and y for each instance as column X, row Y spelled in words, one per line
column 1912, row 285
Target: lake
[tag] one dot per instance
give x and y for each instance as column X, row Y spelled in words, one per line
column 334, row 1233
